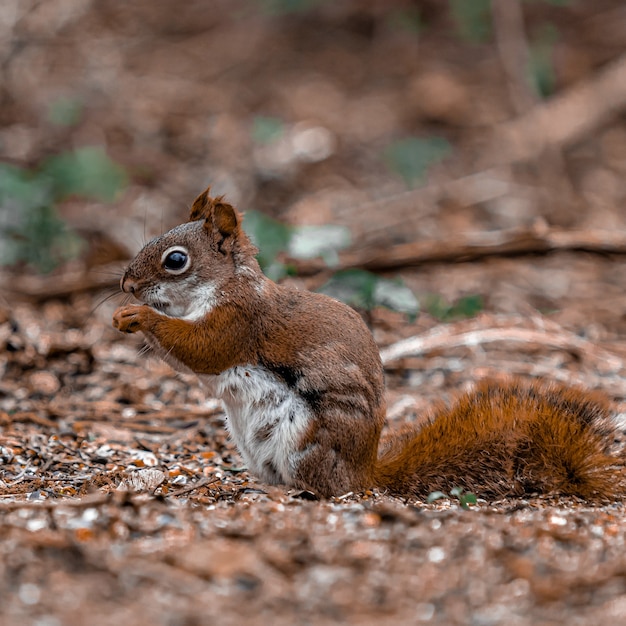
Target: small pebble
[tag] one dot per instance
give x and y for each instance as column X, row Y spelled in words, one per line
column 44, row 383
column 436, row 554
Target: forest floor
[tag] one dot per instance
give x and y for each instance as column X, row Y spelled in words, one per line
column 121, row 498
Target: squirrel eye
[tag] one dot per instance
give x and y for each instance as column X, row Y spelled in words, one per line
column 176, row 261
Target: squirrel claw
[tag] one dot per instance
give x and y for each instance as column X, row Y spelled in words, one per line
column 127, row 319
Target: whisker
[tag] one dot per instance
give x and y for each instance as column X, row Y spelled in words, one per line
column 113, row 294
column 145, row 223
column 105, row 272
column 139, row 243
column 145, row 348
column 169, row 352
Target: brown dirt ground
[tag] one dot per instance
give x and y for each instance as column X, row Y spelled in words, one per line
column 121, row 498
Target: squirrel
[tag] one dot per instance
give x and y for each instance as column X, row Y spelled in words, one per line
column 302, row 383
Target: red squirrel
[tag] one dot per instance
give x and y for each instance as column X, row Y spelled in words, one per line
column 302, row 383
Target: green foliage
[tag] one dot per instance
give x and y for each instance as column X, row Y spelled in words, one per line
column 410, row 158
column 30, row 230
column 267, row 129
column 86, row 172
column 363, row 290
column 556, row 3
column 308, row 242
column 285, row 7
column 407, row 19
column 465, row 498
column 42, row 240
column 472, row 19
column 541, row 62
column 467, row 306
column 395, row 295
column 354, row 287
column 271, row 237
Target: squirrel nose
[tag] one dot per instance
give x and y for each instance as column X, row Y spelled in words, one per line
column 128, row 285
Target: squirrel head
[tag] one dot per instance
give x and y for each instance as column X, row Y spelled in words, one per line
column 185, row 272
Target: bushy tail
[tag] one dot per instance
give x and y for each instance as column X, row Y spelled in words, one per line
column 508, row 439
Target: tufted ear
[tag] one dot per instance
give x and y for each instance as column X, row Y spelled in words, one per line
column 201, row 207
column 216, row 213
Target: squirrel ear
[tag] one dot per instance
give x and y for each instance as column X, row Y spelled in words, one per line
column 225, row 217
column 201, row 207
column 215, row 212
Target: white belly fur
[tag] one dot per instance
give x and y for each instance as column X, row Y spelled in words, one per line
column 266, row 419
column 256, row 400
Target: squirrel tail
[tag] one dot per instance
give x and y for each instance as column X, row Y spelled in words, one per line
column 505, row 439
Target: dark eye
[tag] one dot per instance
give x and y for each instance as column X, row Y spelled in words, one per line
column 176, row 261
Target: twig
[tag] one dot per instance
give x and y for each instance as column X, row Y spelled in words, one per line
column 30, row 416
column 200, row 483
column 508, row 26
column 20, row 477
column 449, row 337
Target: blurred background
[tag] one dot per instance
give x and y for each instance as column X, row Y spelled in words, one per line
column 462, row 162
column 397, row 121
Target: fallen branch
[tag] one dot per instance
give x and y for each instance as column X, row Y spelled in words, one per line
column 64, row 284
column 472, row 247
column 452, row 337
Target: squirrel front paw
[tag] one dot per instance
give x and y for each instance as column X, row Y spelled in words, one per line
column 128, row 319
